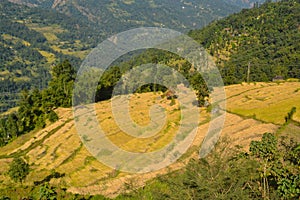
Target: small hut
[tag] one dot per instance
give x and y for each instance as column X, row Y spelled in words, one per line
column 278, row 78
column 170, row 94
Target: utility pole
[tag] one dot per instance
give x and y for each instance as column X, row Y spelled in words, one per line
column 248, row 73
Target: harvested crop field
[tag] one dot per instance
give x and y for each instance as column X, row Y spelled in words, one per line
column 253, row 109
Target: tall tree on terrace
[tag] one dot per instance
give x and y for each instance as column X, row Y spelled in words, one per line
column 61, row 85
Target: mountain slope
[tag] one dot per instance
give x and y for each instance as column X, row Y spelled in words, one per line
column 245, row 3
column 31, row 41
column 266, row 40
column 58, row 150
column 120, row 15
column 39, row 33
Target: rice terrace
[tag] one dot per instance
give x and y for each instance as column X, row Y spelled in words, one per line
column 58, row 148
column 140, row 100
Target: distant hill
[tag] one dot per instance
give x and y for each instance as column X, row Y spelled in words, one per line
column 120, row 15
column 245, row 3
column 31, row 41
column 265, row 40
column 35, row 34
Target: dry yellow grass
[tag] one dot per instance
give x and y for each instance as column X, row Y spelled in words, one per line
column 47, row 31
column 15, row 39
column 63, row 150
column 49, row 56
column 269, row 102
column 139, row 107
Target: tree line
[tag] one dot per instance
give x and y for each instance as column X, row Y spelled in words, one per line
column 36, row 107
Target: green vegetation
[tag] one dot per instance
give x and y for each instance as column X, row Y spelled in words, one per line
column 47, row 192
column 269, row 171
column 31, row 41
column 61, row 85
column 18, row 170
column 290, row 115
column 36, row 107
column 261, row 39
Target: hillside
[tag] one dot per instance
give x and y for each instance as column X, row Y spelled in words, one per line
column 56, row 153
column 245, row 3
column 31, row 41
column 257, row 156
column 263, row 39
column 120, row 15
column 34, row 35
column 266, row 39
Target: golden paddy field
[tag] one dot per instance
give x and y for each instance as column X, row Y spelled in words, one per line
column 253, row 109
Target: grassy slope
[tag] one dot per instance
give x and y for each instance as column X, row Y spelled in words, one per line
column 58, row 147
column 268, row 102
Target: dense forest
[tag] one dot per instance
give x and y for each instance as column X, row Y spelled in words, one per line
column 265, row 39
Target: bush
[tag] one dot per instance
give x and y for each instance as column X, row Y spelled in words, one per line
column 52, row 116
column 18, row 170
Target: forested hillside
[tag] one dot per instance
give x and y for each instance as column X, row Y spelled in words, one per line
column 121, row 15
column 31, row 41
column 38, row 34
column 246, row 3
column 266, row 40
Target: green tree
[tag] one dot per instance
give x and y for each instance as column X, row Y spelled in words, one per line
column 199, row 85
column 11, row 126
column 47, row 192
column 279, row 166
column 265, row 151
column 61, row 85
column 18, row 170
column 52, row 116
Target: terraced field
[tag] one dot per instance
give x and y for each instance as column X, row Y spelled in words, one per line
column 58, row 147
column 268, row 102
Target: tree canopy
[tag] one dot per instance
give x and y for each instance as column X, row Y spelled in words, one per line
column 18, row 170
